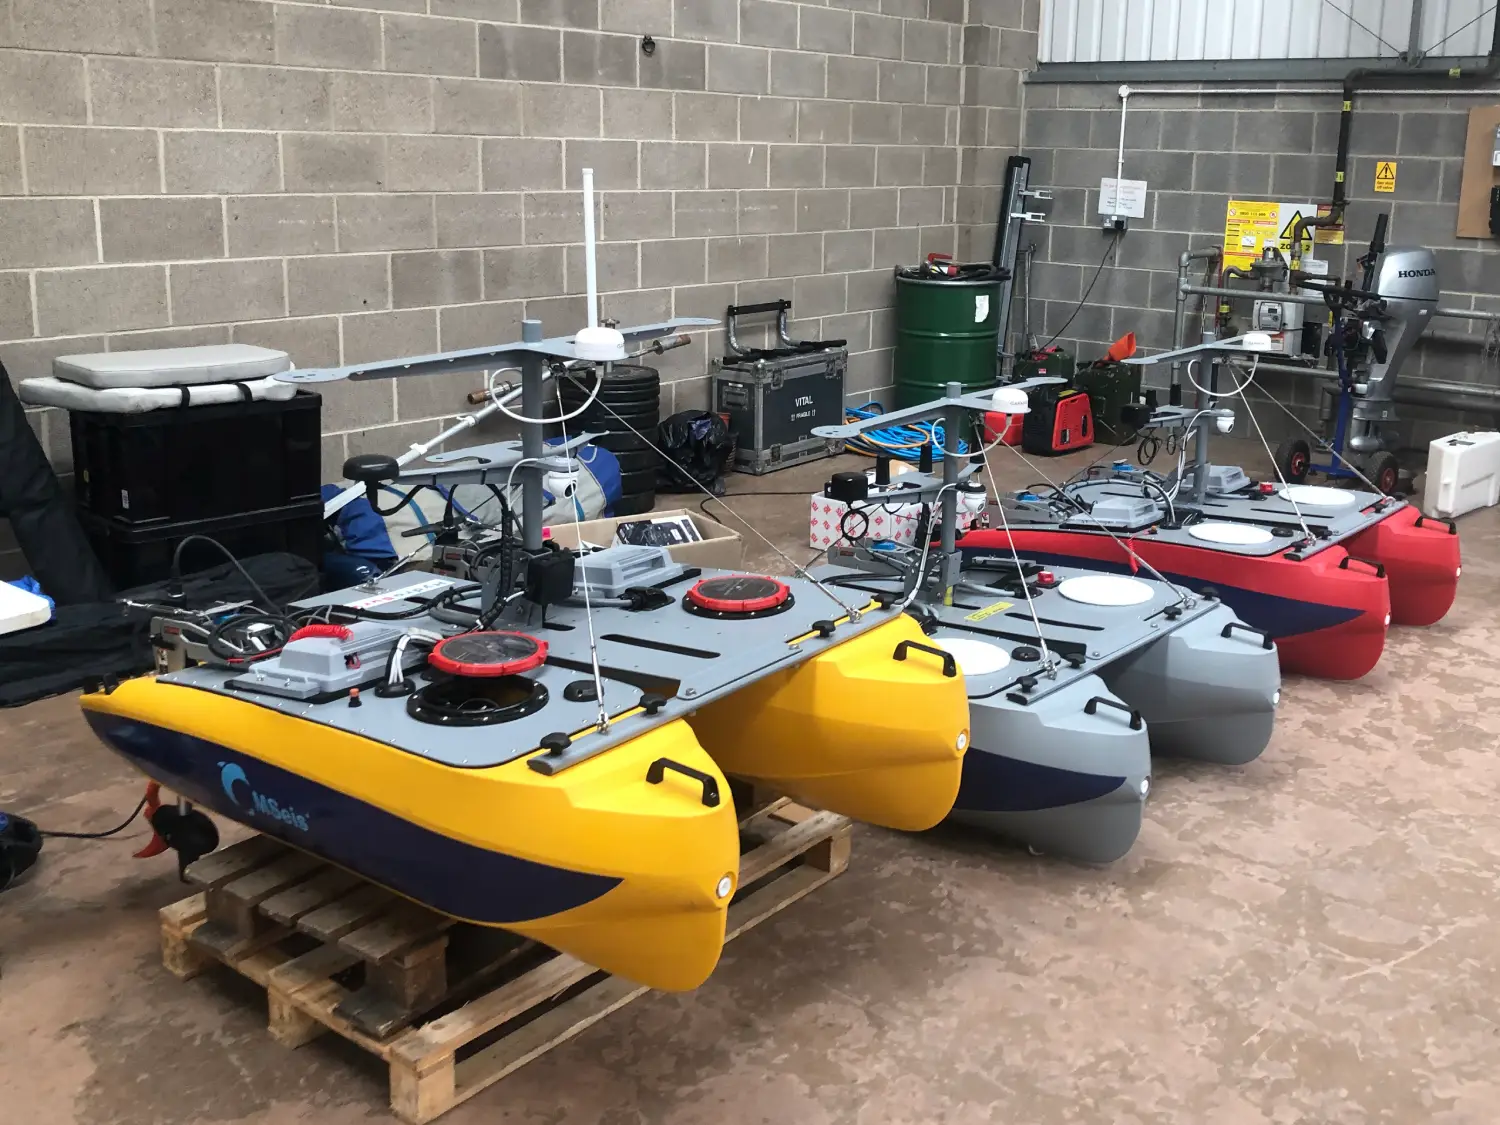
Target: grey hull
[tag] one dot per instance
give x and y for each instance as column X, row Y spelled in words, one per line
column 1098, row 831
column 1057, row 774
column 1208, row 691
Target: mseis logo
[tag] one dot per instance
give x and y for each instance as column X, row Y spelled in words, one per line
column 239, row 791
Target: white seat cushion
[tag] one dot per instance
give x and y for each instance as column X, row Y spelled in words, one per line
column 48, row 391
column 171, row 367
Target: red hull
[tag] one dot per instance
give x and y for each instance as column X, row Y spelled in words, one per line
column 1421, row 559
column 1328, row 614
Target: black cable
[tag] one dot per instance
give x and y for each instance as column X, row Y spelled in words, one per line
column 423, row 605
column 707, row 500
column 129, row 820
column 245, row 574
column 844, row 534
column 1086, row 293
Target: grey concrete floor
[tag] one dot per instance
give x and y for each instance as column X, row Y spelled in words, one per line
column 1305, row 940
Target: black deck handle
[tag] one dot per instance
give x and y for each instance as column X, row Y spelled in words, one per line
column 950, row 666
column 1265, row 637
column 1450, row 524
column 1092, row 708
column 764, row 307
column 1379, row 567
column 657, row 771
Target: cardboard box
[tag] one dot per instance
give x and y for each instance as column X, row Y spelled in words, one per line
column 718, row 546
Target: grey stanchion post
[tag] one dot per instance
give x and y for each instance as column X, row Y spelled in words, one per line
column 533, row 380
column 1202, row 402
column 954, row 418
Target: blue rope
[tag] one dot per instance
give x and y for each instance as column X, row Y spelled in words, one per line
column 894, row 437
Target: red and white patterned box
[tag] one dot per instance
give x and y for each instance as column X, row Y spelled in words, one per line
column 897, row 523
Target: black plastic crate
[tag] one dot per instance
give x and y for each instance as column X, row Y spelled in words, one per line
column 197, row 462
column 135, row 555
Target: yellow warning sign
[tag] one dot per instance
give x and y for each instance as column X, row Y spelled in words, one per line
column 1329, row 236
column 1250, row 226
column 989, row 611
column 1385, row 175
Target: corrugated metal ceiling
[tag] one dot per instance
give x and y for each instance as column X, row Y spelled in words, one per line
column 1173, row 30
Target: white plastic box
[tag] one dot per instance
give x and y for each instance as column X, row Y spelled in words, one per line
column 1463, row 473
column 20, row 609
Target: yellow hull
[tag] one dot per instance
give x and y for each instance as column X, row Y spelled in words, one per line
column 852, row 730
column 629, row 876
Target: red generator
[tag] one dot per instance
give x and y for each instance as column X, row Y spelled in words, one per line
column 1060, row 421
column 1003, row 427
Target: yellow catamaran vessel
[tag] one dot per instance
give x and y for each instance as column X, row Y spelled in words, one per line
column 541, row 745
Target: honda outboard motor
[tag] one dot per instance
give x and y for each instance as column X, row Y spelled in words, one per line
column 1408, row 282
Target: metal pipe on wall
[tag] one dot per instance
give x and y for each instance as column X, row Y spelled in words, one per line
column 1179, row 323
column 1417, row 392
column 1308, row 299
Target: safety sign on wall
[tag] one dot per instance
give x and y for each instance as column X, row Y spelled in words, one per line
column 1252, row 225
column 1385, row 175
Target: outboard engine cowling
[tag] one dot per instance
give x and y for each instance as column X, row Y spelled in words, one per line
column 1408, row 281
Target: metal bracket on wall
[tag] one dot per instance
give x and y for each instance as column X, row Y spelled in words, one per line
column 1012, row 221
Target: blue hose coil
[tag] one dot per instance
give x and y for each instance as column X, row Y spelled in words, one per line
column 915, row 435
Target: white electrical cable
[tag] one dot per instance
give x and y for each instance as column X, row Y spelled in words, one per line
column 1277, row 466
column 1048, row 664
column 800, row 570
column 513, row 416
column 1125, row 92
column 1332, row 90
column 1188, row 367
column 588, row 608
column 926, row 548
column 1240, row 392
column 1182, row 595
column 1317, row 437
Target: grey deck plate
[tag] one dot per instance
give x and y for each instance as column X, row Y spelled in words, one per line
column 1105, row 632
column 717, row 658
column 1331, row 524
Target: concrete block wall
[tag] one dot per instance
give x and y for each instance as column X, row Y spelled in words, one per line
column 364, row 178
column 1199, row 150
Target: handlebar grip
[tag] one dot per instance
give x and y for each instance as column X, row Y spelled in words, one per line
column 950, row 665
column 656, row 773
column 764, row 307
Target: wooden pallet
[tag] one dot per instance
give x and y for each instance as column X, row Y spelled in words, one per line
column 451, row 1008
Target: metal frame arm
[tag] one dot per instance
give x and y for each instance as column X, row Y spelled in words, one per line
column 489, row 358
column 979, row 401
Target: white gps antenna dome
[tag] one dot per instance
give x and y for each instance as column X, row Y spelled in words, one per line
column 1010, row 400
column 1256, row 341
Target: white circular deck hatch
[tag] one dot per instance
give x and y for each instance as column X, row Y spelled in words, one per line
column 1230, row 534
column 975, row 658
column 1105, row 589
column 1317, row 496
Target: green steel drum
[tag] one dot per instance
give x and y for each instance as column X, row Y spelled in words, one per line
column 947, row 330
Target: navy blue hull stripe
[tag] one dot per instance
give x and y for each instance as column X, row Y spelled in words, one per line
column 1277, row 615
column 446, row 874
column 993, row 783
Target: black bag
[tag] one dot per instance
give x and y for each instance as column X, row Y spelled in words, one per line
column 56, row 549
column 102, row 641
column 698, row 448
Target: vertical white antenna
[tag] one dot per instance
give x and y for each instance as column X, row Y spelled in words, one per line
column 604, row 345
column 590, row 265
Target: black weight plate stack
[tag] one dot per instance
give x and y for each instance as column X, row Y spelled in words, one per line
column 632, row 395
